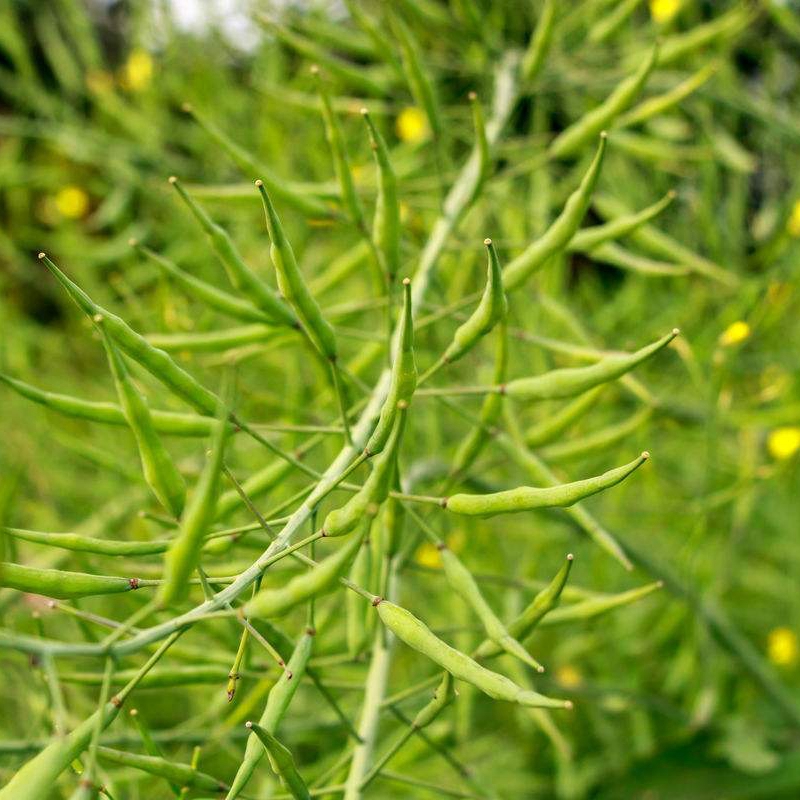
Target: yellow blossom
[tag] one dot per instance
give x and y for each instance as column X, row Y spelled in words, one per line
column 735, row 333
column 783, row 443
column 411, row 125
column 568, row 676
column 664, row 10
column 793, row 225
column 137, row 72
column 72, row 202
column 782, row 647
column 428, row 556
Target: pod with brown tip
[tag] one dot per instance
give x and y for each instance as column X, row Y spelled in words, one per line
column 527, row 498
column 282, row 761
column 61, row 584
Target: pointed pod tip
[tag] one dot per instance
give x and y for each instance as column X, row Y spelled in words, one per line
column 540, row 669
column 472, row 97
column 248, row 724
column 133, row 241
column 570, row 557
column 259, row 183
column 364, row 111
column 172, row 180
column 41, row 256
column 569, row 705
column 672, row 194
column 676, row 331
column 603, row 135
column 187, row 108
column 406, row 281
column 314, row 69
column 659, row 584
column 645, row 455
column 97, row 318
column 487, row 241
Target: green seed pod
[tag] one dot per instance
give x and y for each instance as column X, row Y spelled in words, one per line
column 317, row 581
column 544, row 602
column 588, row 126
column 596, row 606
column 568, row 382
column 491, row 309
column 61, row 584
column 282, row 761
column 386, row 223
column 526, row 498
column 356, row 611
column 183, row 555
column 558, row 235
column 278, row 701
column 553, row 425
column 159, row 469
column 418, row 636
column 725, row 26
column 539, row 44
column 218, row 341
column 403, row 379
column 292, row 284
column 394, row 516
column 160, row 677
column 444, row 695
column 88, row 544
column 239, row 274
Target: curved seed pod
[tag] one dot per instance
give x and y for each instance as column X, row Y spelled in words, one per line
column 587, row 127
column 366, row 502
column 462, row 582
column 218, row 341
column 394, row 516
column 183, row 555
column 155, row 361
column 61, row 584
column 292, row 284
column 278, row 701
column 89, row 544
column 158, row 468
column 526, row 498
column 417, row 635
column 177, row 773
column 544, row 602
column 558, row 235
column 539, row 44
column 386, row 223
column 610, row 23
column 491, row 309
column 169, row 422
column 444, row 695
column 184, row 675
column 356, row 611
column 317, row 581
column 207, row 293
column 552, row 426
column 570, row 381
column 239, row 274
column 403, row 379
column 594, row 607
column 282, row 761
column 726, row 25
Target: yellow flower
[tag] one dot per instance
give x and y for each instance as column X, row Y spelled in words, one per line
column 783, row 443
column 782, row 647
column 568, row 676
column 664, row 10
column 137, row 72
column 72, row 202
column 735, row 333
column 412, row 125
column 428, row 556
column 793, row 225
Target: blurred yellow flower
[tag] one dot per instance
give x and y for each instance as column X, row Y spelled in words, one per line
column 428, row 556
column 664, row 10
column 411, row 125
column 782, row 647
column 735, row 333
column 793, row 225
column 783, row 443
column 137, row 72
column 569, row 676
column 72, row 202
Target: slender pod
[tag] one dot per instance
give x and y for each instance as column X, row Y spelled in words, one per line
column 219, row 340
column 551, row 426
column 89, row 544
column 568, row 382
column 539, row 44
column 356, row 613
column 541, row 605
column 595, row 606
column 158, row 468
column 61, row 584
column 160, row 677
column 183, row 555
column 418, row 636
column 319, row 580
column 442, row 697
column 526, row 498
column 481, row 141
column 558, row 235
column 239, row 274
column 282, row 761
column 589, row 125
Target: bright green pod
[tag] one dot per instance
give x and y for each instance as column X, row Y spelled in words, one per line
column 207, row 293
column 292, row 283
column 416, row 634
column 282, row 761
column 492, row 308
column 169, row 422
column 155, row 361
column 616, row 255
column 239, row 274
column 598, row 119
column 278, row 701
column 366, row 502
column 444, row 695
column 596, row 606
column 158, row 678
column 356, row 611
column 568, row 382
column 464, row 584
column 611, row 22
column 318, row 581
column 539, row 44
column 544, row 602
column 61, row 584
column 386, row 223
column 158, row 468
column 394, row 517
column 218, row 341
column 183, row 555
column 89, row 544
column 527, row 498
column 558, row 235
column 173, row 771
column 403, row 378
column 553, row 425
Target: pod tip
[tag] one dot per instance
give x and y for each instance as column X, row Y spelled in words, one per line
column 672, row 194
column 676, row 331
column 172, row 180
column 133, row 241
column 97, row 318
column 259, row 183
column 472, row 96
column 540, row 669
column 487, row 241
column 314, row 69
column 568, row 705
column 41, row 256
column 364, row 111
column 604, row 134
column 645, row 455
column 187, row 108
column 248, row 724
column 406, row 281
column 570, row 557
column 134, row 712
column 660, row 584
